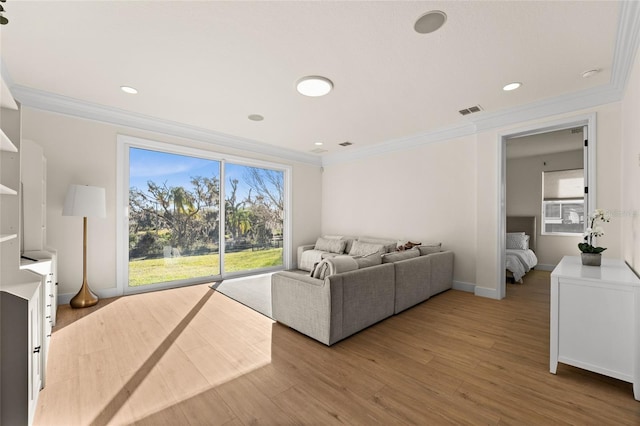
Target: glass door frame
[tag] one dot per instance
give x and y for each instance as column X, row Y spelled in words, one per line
column 124, row 143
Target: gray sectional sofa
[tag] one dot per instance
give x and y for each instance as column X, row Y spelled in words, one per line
column 344, row 293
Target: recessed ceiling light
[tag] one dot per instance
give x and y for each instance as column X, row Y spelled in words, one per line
column 255, row 117
column 511, row 86
column 590, row 73
column 128, row 89
column 318, row 144
column 314, row 86
column 430, row 22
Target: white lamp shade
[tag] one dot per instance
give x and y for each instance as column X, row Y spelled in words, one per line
column 86, row 201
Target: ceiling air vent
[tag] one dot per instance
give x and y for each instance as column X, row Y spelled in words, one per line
column 470, row 110
column 346, row 143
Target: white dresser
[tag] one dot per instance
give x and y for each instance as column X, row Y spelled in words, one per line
column 595, row 319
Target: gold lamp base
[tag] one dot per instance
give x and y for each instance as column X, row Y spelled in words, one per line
column 84, row 298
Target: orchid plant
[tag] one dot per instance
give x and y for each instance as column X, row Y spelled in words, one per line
column 594, row 230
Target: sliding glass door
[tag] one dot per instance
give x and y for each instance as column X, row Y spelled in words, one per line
column 174, row 212
column 194, row 218
column 254, row 218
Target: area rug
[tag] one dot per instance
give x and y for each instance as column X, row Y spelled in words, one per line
column 253, row 291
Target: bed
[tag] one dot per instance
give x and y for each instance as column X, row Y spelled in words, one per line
column 520, row 256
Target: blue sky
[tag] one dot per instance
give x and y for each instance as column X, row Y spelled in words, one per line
column 176, row 170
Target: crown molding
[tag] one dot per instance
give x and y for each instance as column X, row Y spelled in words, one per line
column 627, row 42
column 64, row 105
column 485, row 121
column 400, row 144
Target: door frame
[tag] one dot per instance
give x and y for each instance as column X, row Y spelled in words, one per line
column 588, row 120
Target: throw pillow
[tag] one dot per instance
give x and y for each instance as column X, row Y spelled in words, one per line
column 358, row 248
column 406, row 245
column 331, row 245
column 430, row 248
column 389, row 245
column 400, row 255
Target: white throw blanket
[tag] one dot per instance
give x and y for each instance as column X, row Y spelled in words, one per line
column 309, row 259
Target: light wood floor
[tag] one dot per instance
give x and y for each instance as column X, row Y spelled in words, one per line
column 193, row 356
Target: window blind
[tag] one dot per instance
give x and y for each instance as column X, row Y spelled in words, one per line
column 563, row 184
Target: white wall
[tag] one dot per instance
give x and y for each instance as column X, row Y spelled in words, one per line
column 524, row 198
column 629, row 216
column 424, row 194
column 84, row 152
column 448, row 191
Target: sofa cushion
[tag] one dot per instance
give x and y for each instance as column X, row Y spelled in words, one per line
column 429, row 248
column 397, row 256
column 359, row 248
column 327, row 255
column 331, row 245
column 389, row 245
column 334, row 265
column 366, row 261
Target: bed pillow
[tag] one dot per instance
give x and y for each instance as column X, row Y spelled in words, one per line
column 331, row 245
column 517, row 241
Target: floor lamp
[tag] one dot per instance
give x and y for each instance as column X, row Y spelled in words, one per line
column 85, row 201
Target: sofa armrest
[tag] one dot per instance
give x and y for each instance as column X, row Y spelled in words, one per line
column 306, row 304
column 441, row 271
column 367, row 297
column 302, row 249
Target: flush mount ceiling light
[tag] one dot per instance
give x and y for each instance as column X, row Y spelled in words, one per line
column 590, row 73
column 314, row 86
column 255, row 117
column 430, row 22
column 129, row 90
column 318, row 144
column 511, row 86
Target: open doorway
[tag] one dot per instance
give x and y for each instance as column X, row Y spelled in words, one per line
column 544, row 187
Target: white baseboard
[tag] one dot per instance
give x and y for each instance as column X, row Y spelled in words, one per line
column 545, row 267
column 490, row 293
column 64, row 299
column 464, row 286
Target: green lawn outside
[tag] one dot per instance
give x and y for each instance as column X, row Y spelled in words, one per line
column 151, row 271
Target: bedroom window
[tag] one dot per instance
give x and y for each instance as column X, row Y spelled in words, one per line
column 194, row 217
column 563, row 202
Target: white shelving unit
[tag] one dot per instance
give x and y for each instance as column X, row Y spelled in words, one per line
column 6, row 144
column 7, row 148
column 28, row 291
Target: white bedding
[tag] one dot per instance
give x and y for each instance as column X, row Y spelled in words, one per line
column 519, row 262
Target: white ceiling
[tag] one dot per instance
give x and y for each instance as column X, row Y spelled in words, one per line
column 210, row 64
column 546, row 143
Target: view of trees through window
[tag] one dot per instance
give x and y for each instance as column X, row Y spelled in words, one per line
column 176, row 221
